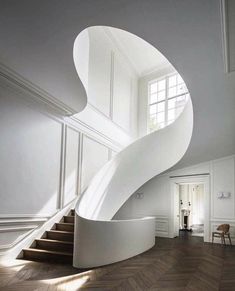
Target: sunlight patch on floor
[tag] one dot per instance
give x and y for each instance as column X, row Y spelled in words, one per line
column 72, row 282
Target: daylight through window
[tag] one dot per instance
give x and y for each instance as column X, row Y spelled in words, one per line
column 167, row 98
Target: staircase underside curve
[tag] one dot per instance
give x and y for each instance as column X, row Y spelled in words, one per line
column 99, row 240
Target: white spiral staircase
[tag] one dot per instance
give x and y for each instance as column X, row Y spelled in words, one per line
column 98, row 239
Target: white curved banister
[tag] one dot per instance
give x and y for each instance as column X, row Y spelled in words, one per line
column 100, row 240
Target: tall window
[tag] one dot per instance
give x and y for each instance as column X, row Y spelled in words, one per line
column 167, row 98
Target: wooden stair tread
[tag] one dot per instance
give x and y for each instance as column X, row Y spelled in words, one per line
column 60, row 231
column 49, row 252
column 65, row 223
column 56, row 245
column 55, row 241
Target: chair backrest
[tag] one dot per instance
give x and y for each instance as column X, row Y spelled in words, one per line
column 224, row 227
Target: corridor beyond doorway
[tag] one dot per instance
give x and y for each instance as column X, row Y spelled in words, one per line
column 191, row 208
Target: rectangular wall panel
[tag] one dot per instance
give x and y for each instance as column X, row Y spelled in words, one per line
column 99, row 71
column 121, row 94
column 223, row 181
column 71, row 165
column 230, row 21
column 94, row 156
column 30, row 152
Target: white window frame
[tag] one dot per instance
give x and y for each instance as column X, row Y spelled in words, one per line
column 165, row 77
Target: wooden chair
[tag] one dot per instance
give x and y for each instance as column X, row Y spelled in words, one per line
column 222, row 232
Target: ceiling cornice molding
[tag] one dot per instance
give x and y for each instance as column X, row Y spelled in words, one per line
column 36, row 95
column 35, row 92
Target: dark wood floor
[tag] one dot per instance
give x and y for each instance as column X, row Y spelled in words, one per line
column 184, row 263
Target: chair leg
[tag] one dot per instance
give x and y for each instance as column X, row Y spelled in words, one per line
column 229, row 239
column 222, row 240
column 212, row 238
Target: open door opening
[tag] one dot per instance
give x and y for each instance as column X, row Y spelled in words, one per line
column 189, row 209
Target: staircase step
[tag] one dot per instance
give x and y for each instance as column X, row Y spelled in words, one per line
column 46, row 255
column 65, row 226
column 69, row 219
column 72, row 212
column 54, row 245
column 60, row 235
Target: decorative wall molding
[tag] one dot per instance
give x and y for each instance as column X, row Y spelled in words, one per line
column 119, row 48
column 6, row 247
column 223, row 219
column 34, row 97
column 227, row 30
column 35, row 230
column 162, row 226
column 94, row 133
column 224, row 32
column 25, row 215
column 52, row 105
column 10, row 76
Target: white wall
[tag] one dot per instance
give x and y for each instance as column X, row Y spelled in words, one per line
column 94, row 156
column 157, row 196
column 47, row 160
column 112, row 87
column 71, row 181
column 44, row 164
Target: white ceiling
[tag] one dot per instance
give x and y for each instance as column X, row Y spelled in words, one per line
column 187, row 32
column 144, row 57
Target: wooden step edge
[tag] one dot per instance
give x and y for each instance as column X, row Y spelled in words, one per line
column 72, row 211
column 65, row 223
column 61, row 231
column 54, row 241
column 49, row 252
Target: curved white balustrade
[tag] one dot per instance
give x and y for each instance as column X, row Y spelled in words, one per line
column 104, row 242
column 100, row 240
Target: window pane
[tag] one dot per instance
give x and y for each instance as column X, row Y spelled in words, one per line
column 172, row 81
column 172, row 103
column 171, row 114
column 161, row 117
column 153, row 109
column 153, row 119
column 153, row 88
column 160, row 106
column 153, row 98
column 172, row 92
column 161, row 95
column 161, row 85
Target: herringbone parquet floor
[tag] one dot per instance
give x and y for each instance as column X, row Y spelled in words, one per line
column 184, row 263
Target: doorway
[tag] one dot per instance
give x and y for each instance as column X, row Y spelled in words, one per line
column 191, row 209
column 190, row 206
